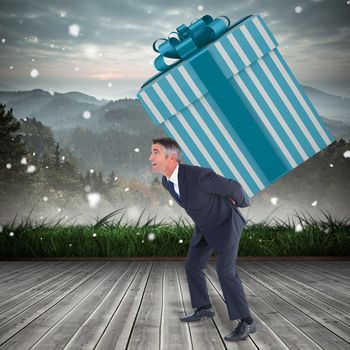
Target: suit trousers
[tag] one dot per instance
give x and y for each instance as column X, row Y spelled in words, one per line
column 230, row 282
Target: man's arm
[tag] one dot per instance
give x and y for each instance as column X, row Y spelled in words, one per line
column 211, row 182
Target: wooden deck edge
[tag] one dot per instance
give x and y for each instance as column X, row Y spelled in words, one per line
column 176, row 258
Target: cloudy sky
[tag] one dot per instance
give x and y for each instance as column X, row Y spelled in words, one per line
column 104, row 47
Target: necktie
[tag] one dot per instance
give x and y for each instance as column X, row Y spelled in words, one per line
column 172, row 191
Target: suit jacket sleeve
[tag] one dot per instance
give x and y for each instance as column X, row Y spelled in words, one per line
column 211, row 182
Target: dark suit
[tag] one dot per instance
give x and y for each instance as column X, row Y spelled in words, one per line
column 218, row 225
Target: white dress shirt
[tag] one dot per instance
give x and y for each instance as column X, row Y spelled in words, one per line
column 174, row 179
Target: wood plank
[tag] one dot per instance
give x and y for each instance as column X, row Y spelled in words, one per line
column 12, row 308
column 332, row 305
column 263, row 339
column 204, row 334
column 18, row 277
column 116, row 335
column 59, row 335
column 318, row 333
column 88, row 334
column 314, row 282
column 25, row 329
column 174, row 333
column 328, row 269
column 16, row 295
column 8, row 267
column 295, row 298
column 146, row 331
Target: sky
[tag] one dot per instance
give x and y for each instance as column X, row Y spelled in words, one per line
column 104, row 48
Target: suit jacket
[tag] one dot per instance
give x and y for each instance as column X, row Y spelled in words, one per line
column 204, row 195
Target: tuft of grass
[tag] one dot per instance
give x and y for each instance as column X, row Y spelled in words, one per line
column 304, row 236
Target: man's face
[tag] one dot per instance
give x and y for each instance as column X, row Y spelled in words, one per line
column 158, row 159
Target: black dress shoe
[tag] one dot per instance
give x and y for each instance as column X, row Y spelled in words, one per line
column 242, row 331
column 198, row 314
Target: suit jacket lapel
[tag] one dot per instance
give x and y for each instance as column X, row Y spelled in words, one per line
column 182, row 184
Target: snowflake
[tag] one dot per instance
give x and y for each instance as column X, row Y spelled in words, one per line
column 200, row 8
column 59, row 210
column 87, row 114
column 346, row 154
column 31, row 169
column 314, row 203
column 298, row 9
column 331, row 165
column 137, row 150
column 171, row 202
column 109, row 84
column 74, row 30
column 298, row 228
column 1, row 229
column 3, row 40
column 127, row 189
column 63, row 158
column 45, row 199
column 8, row 166
column 24, row 160
column 151, row 236
column 76, row 69
column 34, row 73
column 93, row 199
column 11, row 67
column 94, row 235
column 87, row 188
column 91, row 171
column 181, row 241
column 12, row 234
column 274, row 200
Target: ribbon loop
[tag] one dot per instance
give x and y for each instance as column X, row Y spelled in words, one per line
column 190, row 39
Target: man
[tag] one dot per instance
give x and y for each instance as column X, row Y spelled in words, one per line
column 211, row 201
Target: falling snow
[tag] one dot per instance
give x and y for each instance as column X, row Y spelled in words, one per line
column 274, row 200
column 34, row 73
column 93, row 199
column 137, row 150
column 8, row 166
column 94, row 235
column 1, row 229
column 45, row 199
column 346, row 154
column 331, row 165
column 59, row 210
column 12, row 234
column 11, row 67
column 200, row 8
column 151, row 236
column 74, row 30
column 24, row 160
column 31, row 169
column 127, row 189
column 87, row 114
column 180, row 241
column 91, row 171
column 314, row 203
column 298, row 228
column 298, row 9
column 109, row 84
column 171, row 202
column 3, row 40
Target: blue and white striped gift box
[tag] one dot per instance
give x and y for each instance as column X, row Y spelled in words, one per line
column 236, row 107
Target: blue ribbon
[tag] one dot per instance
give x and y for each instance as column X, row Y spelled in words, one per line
column 189, row 40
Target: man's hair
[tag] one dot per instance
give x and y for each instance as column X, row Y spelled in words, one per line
column 170, row 146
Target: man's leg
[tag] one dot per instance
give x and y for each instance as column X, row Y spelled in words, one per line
column 231, row 284
column 196, row 261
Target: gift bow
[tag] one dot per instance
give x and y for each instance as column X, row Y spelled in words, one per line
column 190, row 39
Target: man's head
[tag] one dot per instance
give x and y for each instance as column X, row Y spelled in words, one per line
column 165, row 155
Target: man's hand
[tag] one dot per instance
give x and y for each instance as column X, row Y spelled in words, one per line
column 232, row 201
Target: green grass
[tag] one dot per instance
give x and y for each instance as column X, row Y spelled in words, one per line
column 327, row 237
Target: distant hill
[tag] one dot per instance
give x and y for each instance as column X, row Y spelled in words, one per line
column 328, row 105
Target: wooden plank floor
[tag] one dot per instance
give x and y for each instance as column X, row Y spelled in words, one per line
column 137, row 305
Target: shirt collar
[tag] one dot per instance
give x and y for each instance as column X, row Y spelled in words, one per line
column 174, row 176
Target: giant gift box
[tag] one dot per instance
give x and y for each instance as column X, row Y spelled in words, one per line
column 233, row 104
